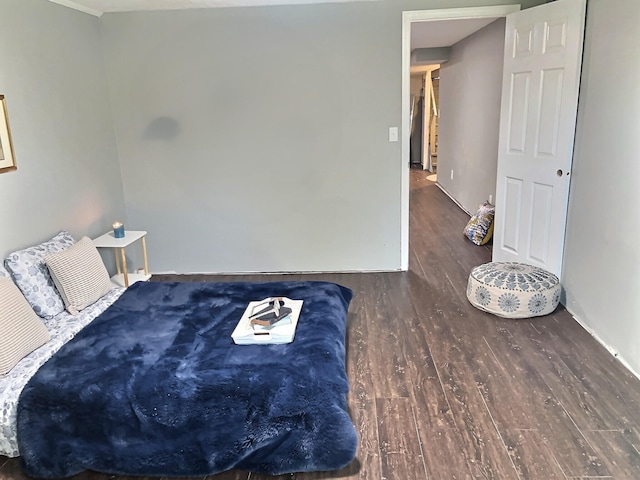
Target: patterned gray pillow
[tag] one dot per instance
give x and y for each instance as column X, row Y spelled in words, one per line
column 31, row 274
column 3, row 272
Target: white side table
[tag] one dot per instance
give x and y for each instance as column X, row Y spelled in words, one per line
column 123, row 278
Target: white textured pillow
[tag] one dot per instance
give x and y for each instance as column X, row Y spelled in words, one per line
column 79, row 275
column 21, row 330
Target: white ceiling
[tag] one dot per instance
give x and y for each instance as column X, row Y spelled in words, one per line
column 440, row 33
column 98, row 7
column 444, row 33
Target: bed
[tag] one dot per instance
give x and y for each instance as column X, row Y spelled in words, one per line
column 62, row 328
column 153, row 385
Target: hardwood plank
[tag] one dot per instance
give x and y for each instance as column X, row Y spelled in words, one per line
column 531, row 455
column 583, row 386
column 536, row 406
column 480, row 443
column 367, row 464
column 617, row 452
column 400, row 450
column 388, row 365
column 564, row 444
column 432, row 408
column 453, row 322
column 262, row 476
column 442, row 452
column 572, row 381
column 359, row 351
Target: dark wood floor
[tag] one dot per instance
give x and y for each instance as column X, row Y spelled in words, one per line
column 440, row 390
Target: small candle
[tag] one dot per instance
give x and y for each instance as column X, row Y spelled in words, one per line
column 118, row 229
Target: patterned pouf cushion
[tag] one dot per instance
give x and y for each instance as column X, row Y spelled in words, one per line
column 513, row 290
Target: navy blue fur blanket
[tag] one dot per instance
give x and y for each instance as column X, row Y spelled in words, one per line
column 155, row 386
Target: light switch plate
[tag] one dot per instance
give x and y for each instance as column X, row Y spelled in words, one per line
column 393, row 134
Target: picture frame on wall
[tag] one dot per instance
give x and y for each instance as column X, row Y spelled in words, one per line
column 7, row 158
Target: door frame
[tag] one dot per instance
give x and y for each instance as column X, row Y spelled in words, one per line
column 409, row 17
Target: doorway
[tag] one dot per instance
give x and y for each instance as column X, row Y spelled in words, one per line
column 441, row 23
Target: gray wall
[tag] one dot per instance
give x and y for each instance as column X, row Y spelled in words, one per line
column 68, row 177
column 470, row 91
column 53, row 78
column 430, row 56
column 602, row 259
column 255, row 139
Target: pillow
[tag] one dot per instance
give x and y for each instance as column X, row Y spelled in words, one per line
column 32, row 277
column 21, row 331
column 4, row 273
column 480, row 227
column 79, row 274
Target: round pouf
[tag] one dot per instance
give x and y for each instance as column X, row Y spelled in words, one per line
column 513, row 290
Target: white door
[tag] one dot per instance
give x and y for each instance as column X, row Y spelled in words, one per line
column 543, row 52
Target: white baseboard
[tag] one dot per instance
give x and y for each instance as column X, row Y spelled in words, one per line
column 452, row 198
column 610, row 349
column 297, row 272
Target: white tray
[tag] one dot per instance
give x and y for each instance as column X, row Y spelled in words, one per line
column 247, row 334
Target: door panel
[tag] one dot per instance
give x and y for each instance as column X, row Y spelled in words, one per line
column 541, row 206
column 555, row 36
column 518, row 112
column 513, row 208
column 543, row 49
column 550, row 107
column 522, row 41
